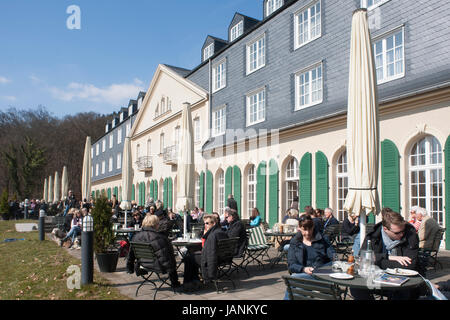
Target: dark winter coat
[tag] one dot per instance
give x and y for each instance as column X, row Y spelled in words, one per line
column 329, row 222
column 165, row 225
column 209, row 259
column 299, row 258
column 409, row 247
column 349, row 229
column 163, row 250
column 237, row 230
column 232, row 204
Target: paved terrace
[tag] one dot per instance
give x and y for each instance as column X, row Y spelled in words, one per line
column 263, row 283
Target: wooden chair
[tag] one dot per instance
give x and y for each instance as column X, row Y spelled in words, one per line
column 146, row 258
column 308, row 289
column 225, row 253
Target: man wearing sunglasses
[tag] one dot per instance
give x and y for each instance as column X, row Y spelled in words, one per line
column 394, row 242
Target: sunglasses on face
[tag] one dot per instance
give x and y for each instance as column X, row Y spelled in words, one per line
column 397, row 233
column 208, row 223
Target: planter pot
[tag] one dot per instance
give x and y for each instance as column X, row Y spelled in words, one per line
column 107, row 262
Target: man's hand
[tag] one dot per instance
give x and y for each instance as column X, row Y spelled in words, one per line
column 308, row 270
column 404, row 261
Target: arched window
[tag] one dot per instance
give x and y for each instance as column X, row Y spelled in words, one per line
column 291, row 181
column 425, row 173
column 221, row 191
column 251, row 191
column 342, row 185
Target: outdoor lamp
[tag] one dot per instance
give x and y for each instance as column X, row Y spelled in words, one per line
column 41, row 213
column 88, row 224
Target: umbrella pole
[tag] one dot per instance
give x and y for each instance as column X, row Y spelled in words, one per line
column 185, row 225
column 126, row 214
column 362, row 227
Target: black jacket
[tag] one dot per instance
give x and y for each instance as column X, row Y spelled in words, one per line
column 299, row 257
column 209, row 259
column 163, row 250
column 349, row 229
column 232, row 204
column 408, row 247
column 237, row 230
column 165, row 225
column 329, row 222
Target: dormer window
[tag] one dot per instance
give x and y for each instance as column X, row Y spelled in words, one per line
column 272, row 6
column 121, row 116
column 114, row 123
column 130, row 110
column 106, row 128
column 139, row 103
column 237, row 31
column 163, row 105
column 157, row 111
column 208, row 52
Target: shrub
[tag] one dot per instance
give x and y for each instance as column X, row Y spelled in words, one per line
column 4, row 205
column 103, row 227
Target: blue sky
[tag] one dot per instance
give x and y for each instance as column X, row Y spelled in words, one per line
column 111, row 58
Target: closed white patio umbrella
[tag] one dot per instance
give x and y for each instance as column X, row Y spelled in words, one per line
column 362, row 125
column 45, row 195
column 127, row 178
column 56, row 188
column 50, row 189
column 64, row 184
column 186, row 170
column 86, row 173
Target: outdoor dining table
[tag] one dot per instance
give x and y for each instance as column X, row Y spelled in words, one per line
column 279, row 238
column 358, row 282
column 192, row 245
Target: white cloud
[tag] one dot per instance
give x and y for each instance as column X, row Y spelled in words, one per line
column 113, row 94
column 4, row 80
column 34, row 79
column 9, row 98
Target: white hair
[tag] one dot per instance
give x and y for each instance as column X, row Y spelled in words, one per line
column 422, row 211
column 414, row 208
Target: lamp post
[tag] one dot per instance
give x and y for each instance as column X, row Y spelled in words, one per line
column 87, row 251
column 42, row 225
column 25, row 211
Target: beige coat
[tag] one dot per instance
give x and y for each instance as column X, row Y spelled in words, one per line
column 427, row 231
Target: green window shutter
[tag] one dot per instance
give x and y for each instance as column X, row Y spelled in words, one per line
column 140, row 194
column 390, row 175
column 152, row 188
column 209, row 192
column 116, row 192
column 322, row 184
column 133, row 192
column 447, row 191
column 273, row 192
column 93, row 194
column 305, row 183
column 237, row 187
column 97, row 193
column 261, row 189
column 144, row 198
column 170, row 187
column 228, row 182
column 109, row 193
column 165, row 192
column 103, row 192
column 202, row 190
column 155, row 193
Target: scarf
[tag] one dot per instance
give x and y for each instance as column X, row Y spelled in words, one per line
column 388, row 242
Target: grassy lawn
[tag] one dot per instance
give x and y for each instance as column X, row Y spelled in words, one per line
column 35, row 270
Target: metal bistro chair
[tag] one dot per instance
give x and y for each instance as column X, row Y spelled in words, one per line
column 433, row 252
column 257, row 247
column 146, row 258
column 308, row 289
column 225, row 253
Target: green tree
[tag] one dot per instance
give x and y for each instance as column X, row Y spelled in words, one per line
column 11, row 160
column 4, row 205
column 34, row 161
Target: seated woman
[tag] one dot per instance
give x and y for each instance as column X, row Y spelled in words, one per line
column 75, row 228
column 350, row 227
column 255, row 218
column 163, row 250
column 206, row 259
column 307, row 250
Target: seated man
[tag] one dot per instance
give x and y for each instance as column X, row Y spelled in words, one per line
column 427, row 230
column 237, row 230
column 207, row 258
column 162, row 246
column 395, row 245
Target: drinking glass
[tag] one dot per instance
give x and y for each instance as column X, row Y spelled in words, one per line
column 336, row 266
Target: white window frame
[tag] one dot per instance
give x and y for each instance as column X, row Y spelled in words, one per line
column 220, row 77
column 104, row 145
column 341, row 184
column 127, row 129
column 119, row 136
column 301, row 12
column 292, row 178
column 383, row 39
column 260, row 57
column 221, row 192
column 220, row 123
column 364, row 4
column 177, row 136
column 237, row 30
column 161, row 143
column 251, row 189
column 111, row 141
column 92, row 153
column 309, row 70
column 428, row 167
column 97, row 149
column 110, row 164
column 272, row 6
column 119, row 160
column 96, row 169
column 208, row 52
column 103, row 167
column 259, row 105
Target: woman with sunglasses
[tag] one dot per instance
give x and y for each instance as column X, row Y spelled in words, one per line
column 307, row 250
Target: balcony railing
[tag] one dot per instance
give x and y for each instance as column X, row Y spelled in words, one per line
column 144, row 163
column 171, row 154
